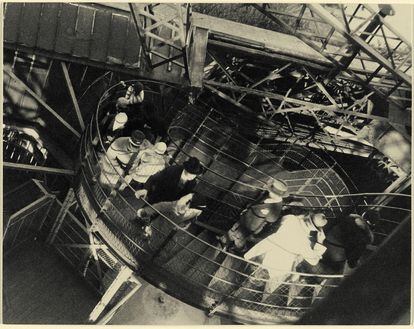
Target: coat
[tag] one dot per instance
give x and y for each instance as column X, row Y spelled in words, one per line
column 284, row 248
column 117, row 158
column 354, row 239
column 150, row 164
column 164, row 186
column 259, row 214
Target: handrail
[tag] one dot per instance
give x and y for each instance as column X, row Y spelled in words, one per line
column 94, row 162
column 177, row 227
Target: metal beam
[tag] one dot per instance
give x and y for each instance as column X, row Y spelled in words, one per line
column 357, row 41
column 41, row 169
column 43, row 103
column 72, row 95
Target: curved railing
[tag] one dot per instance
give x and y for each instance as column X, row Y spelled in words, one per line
column 189, row 264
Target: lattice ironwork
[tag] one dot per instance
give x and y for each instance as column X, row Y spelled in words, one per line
column 357, row 39
column 215, row 279
column 162, row 30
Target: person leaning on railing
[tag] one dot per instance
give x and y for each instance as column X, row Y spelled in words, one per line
column 264, row 211
column 172, row 183
column 179, row 211
column 292, row 243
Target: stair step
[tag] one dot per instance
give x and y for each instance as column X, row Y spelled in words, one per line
column 226, row 273
column 180, row 259
column 206, row 266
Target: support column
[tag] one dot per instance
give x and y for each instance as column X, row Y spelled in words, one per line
column 124, row 275
column 67, row 203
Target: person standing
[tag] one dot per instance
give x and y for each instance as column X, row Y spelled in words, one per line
column 265, row 210
column 356, row 235
column 289, row 245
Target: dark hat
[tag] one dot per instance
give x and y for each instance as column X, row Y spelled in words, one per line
column 137, row 137
column 193, row 166
column 138, row 87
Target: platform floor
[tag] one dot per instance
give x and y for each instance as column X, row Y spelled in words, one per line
column 150, row 305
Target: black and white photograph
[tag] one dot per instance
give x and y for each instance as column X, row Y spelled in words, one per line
column 206, row 163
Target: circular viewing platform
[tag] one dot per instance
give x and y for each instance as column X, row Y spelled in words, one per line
column 189, row 262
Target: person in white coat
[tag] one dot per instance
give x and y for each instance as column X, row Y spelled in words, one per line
column 291, row 243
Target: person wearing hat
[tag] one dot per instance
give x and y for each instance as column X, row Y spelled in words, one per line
column 265, row 210
column 152, row 160
column 118, row 157
column 356, row 234
column 134, row 95
column 116, row 127
column 289, row 245
column 172, row 183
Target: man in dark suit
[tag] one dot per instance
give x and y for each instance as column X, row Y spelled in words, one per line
column 172, row 183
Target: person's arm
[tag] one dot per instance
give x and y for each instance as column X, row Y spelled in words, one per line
column 262, row 247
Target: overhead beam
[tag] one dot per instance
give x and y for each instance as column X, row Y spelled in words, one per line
column 357, row 41
column 39, row 169
column 42, row 102
column 72, row 95
column 351, row 73
column 303, row 105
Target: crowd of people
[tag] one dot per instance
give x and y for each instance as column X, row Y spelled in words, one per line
column 281, row 235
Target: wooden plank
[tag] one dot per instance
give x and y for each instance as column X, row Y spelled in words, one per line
column 117, row 39
column 198, row 56
column 100, row 36
column 28, row 31
column 132, row 47
column 48, row 26
column 11, row 21
column 274, row 41
column 83, row 32
column 66, row 29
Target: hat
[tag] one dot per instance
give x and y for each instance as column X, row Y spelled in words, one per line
column 121, row 118
column 138, row 87
column 279, row 187
column 137, row 137
column 318, row 220
column 160, row 147
column 192, row 165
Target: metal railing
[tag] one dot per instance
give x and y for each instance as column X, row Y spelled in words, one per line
column 214, row 278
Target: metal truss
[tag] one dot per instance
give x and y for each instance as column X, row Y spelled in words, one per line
column 162, row 30
column 28, row 221
column 338, row 109
column 76, row 240
column 362, row 46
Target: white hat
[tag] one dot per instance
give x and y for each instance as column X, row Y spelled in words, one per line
column 160, row 147
column 121, row 118
column 318, row 220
